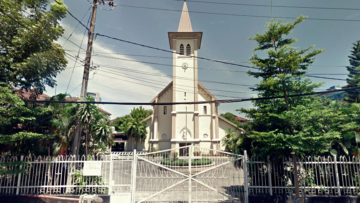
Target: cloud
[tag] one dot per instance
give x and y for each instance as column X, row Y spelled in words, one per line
column 113, row 85
column 352, row 16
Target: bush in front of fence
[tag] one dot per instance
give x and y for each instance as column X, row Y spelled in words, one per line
column 181, row 162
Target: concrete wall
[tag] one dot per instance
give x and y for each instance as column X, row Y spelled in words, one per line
column 164, row 120
column 223, row 127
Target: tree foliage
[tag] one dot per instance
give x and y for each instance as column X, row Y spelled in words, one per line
column 290, row 124
column 29, row 56
column 353, row 96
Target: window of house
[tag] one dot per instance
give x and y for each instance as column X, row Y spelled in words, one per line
column 184, row 95
column 181, row 49
column 188, row 50
column 165, row 110
column 205, row 110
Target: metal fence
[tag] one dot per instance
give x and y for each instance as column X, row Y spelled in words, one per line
column 52, row 175
column 317, row 175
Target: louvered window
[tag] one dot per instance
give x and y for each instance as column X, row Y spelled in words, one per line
column 181, row 49
column 188, row 50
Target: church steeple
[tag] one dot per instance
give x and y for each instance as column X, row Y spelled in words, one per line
column 185, row 23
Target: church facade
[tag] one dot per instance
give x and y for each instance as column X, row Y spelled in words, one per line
column 172, row 126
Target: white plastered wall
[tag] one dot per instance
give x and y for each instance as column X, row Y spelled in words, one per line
column 223, row 127
column 164, row 120
column 184, row 78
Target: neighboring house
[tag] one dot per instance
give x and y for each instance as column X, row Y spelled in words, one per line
column 100, row 109
column 175, row 126
column 336, row 96
column 97, row 98
column 120, row 141
column 30, row 95
column 241, row 120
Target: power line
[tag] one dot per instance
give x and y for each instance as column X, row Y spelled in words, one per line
column 202, row 102
column 238, row 15
column 77, row 25
column 161, row 64
column 168, row 76
column 77, row 55
column 150, row 56
column 264, row 5
column 142, row 79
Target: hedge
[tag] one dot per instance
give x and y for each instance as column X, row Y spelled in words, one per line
column 181, row 162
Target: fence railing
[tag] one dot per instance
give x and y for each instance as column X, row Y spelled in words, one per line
column 316, row 175
column 52, row 175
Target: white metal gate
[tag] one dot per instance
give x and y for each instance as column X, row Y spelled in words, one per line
column 188, row 174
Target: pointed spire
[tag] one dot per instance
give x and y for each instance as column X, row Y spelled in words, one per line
column 185, row 23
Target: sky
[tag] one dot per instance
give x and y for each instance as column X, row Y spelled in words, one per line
column 225, row 37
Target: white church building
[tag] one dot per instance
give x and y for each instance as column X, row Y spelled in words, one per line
column 172, row 126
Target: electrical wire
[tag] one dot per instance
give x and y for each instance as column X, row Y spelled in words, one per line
column 202, row 102
column 77, row 25
column 238, row 15
column 264, row 5
column 77, row 57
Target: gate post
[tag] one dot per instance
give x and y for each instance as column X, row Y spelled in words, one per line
column 269, row 176
column 337, row 176
column 190, row 178
column 133, row 177
column 110, row 175
column 246, row 187
column 19, row 178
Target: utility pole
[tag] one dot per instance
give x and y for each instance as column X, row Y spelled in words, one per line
column 76, row 143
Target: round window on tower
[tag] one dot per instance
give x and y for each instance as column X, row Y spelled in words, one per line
column 164, row 136
column 206, row 135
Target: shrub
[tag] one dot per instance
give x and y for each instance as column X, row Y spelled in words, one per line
column 181, row 162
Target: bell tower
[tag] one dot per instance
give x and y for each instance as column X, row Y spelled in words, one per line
column 185, row 44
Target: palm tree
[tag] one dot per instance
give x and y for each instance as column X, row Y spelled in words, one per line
column 232, row 141
column 135, row 129
column 87, row 115
column 63, row 122
column 102, row 134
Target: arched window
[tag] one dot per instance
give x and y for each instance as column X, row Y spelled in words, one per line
column 205, row 110
column 181, row 49
column 188, row 50
column 165, row 110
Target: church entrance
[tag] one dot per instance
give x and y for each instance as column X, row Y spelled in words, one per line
column 184, row 151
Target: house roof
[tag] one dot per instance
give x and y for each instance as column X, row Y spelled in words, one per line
column 162, row 92
column 103, row 111
column 241, row 119
column 207, row 91
column 147, row 118
column 185, row 23
column 72, row 98
column 27, row 94
column 231, row 123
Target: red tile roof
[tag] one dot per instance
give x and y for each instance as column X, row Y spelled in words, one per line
column 241, row 119
column 103, row 111
column 30, row 94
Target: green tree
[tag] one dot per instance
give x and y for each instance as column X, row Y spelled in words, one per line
column 140, row 113
column 87, row 115
column 29, row 56
column 231, row 141
column 64, row 119
column 231, row 117
column 353, row 96
column 134, row 127
column 275, row 128
column 19, row 134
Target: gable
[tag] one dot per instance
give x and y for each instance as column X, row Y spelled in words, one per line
column 162, row 92
column 203, row 91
